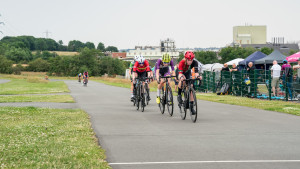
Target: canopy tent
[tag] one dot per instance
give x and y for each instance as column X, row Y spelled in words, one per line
column 212, row 67
column 236, row 61
column 293, row 58
column 253, row 57
column 275, row 55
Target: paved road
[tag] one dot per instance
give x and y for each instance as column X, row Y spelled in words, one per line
column 4, row 81
column 225, row 136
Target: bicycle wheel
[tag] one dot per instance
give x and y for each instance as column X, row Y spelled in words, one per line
column 182, row 107
column 138, row 98
column 147, row 94
column 194, row 106
column 169, row 100
column 162, row 100
column 142, row 99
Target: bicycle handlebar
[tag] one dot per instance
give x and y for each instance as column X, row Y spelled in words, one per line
column 166, row 76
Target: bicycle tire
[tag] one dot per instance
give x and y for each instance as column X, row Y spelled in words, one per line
column 194, row 117
column 162, row 99
column 182, row 107
column 138, row 98
column 169, row 100
column 142, row 99
column 147, row 94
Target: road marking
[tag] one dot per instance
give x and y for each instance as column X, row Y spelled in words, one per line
column 193, row 162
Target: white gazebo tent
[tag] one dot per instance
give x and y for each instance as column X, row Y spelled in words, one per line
column 213, row 67
column 236, row 61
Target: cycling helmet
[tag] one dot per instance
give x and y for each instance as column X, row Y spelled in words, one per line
column 166, row 58
column 189, row 55
column 136, row 58
column 141, row 60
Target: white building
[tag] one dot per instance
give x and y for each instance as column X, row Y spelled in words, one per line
column 154, row 52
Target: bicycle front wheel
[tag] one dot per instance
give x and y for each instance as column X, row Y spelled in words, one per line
column 147, row 94
column 182, row 107
column 162, row 101
column 169, row 100
column 193, row 107
column 142, row 99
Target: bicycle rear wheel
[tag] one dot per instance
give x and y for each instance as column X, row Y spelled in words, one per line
column 137, row 98
column 194, row 106
column 169, row 100
column 162, row 100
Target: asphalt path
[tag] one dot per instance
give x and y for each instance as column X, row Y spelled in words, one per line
column 225, row 136
column 4, row 81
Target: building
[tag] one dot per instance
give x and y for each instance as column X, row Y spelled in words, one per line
column 250, row 34
column 120, row 55
column 154, row 52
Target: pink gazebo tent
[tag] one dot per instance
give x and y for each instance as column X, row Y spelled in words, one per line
column 293, row 58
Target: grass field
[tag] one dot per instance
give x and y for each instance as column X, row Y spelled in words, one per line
column 48, row 138
column 32, row 85
column 37, row 98
column 279, row 106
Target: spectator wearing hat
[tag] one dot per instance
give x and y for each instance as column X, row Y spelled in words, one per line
column 276, row 69
column 297, row 67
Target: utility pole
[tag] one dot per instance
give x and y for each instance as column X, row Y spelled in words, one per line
column 47, row 33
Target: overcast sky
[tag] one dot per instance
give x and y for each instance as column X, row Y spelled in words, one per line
column 126, row 23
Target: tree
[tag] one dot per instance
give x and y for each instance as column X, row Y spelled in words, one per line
column 230, row 53
column 40, row 44
column 112, row 49
column 5, row 65
column 292, row 52
column 18, row 54
column 111, row 66
column 39, row 65
column 266, row 50
column 75, row 45
column 90, row 45
column 101, row 47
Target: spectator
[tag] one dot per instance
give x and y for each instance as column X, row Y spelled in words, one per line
column 276, row 69
column 250, row 67
column 297, row 67
column 286, row 76
column 225, row 68
column 234, row 68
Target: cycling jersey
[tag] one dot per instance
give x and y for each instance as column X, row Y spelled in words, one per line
column 131, row 66
column 138, row 68
column 183, row 67
column 159, row 64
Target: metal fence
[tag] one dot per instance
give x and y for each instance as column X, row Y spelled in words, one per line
column 254, row 84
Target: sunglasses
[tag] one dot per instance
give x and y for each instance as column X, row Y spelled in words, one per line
column 166, row 62
column 189, row 59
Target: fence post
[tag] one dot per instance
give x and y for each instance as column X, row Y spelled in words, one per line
column 214, row 82
column 269, row 88
column 286, row 88
column 255, row 83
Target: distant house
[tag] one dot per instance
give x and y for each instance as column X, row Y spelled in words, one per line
column 120, row 55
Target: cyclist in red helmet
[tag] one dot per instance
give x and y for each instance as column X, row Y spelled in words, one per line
column 187, row 67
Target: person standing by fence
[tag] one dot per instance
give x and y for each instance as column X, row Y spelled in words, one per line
column 297, row 67
column 287, row 76
column 276, row 69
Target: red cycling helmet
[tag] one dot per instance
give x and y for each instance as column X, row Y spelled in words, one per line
column 189, row 55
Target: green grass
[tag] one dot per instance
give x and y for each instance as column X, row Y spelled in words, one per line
column 32, row 86
column 279, row 106
column 37, row 98
column 48, row 138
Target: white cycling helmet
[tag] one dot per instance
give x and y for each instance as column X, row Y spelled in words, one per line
column 136, row 57
column 141, row 59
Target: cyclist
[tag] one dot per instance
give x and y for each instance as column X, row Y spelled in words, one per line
column 162, row 69
column 79, row 77
column 130, row 74
column 187, row 67
column 141, row 69
column 85, row 77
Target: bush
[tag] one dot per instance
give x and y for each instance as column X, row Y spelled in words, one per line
column 5, row 65
column 17, row 69
column 38, row 65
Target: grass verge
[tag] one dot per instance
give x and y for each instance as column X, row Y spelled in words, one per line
column 279, row 106
column 37, row 98
column 32, row 85
column 48, row 138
